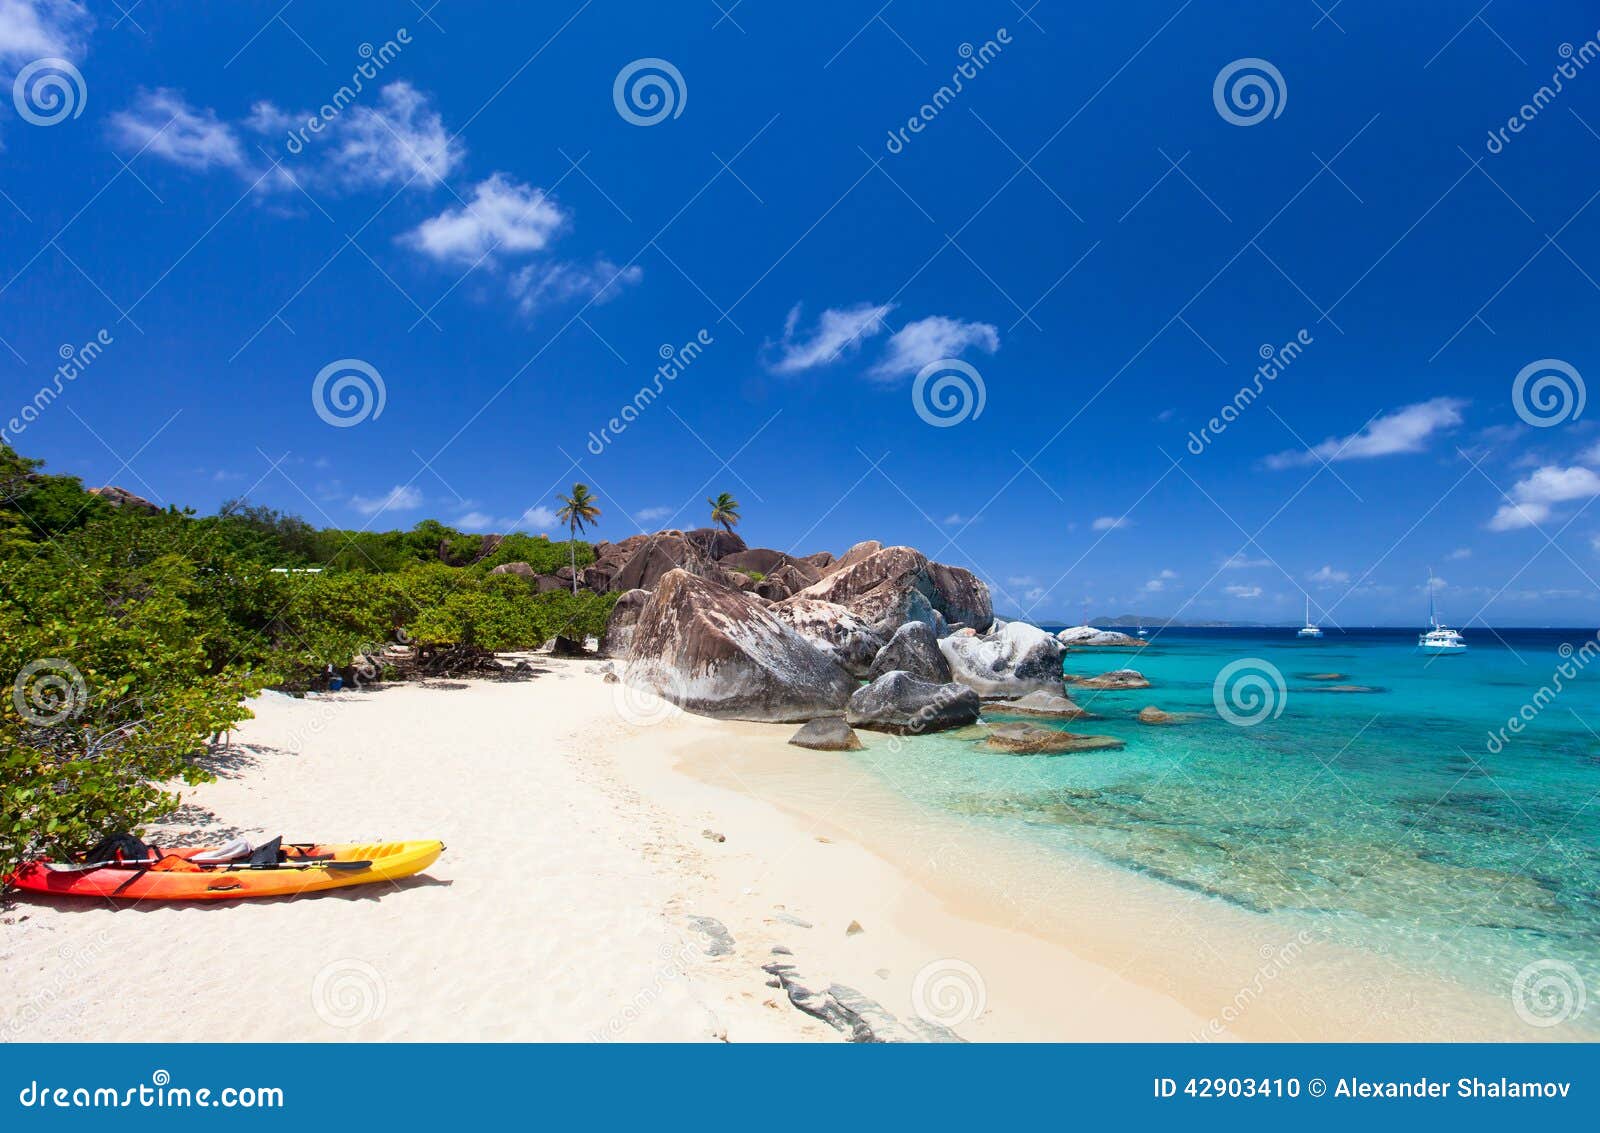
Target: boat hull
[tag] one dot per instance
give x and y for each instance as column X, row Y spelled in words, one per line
column 389, row 862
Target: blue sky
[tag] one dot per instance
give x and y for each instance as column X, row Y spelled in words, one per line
column 510, row 245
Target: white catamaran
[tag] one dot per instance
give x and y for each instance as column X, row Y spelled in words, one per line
column 1438, row 638
column 1309, row 630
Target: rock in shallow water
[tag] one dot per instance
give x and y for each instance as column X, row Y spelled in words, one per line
column 827, row 733
column 1041, row 703
column 900, row 703
column 1028, row 739
column 1116, row 679
column 1013, row 660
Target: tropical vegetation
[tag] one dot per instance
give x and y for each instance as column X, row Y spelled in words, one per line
column 129, row 640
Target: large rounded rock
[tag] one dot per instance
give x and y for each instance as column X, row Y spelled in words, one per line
column 913, row 649
column 898, row 702
column 620, row 623
column 894, row 585
column 713, row 542
column 655, row 556
column 719, row 652
column 1014, row 660
column 960, row 597
column 1093, row 636
column 523, row 569
column 833, row 629
column 763, row 560
column 827, row 733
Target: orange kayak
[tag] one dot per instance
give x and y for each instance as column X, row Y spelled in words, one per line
column 308, row 869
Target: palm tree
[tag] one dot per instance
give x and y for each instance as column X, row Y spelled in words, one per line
column 577, row 510
column 724, row 510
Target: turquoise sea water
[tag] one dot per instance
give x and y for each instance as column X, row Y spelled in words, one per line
column 1388, row 817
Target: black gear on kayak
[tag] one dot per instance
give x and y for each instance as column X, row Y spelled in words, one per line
column 268, row 854
column 121, row 847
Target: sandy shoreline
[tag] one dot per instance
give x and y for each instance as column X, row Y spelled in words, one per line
column 601, row 851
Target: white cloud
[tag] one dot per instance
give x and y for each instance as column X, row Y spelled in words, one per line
column 1403, row 430
column 1036, row 593
column 1111, row 522
column 1327, row 576
column 646, row 515
column 401, row 497
column 1460, row 553
column 916, row 344
column 162, row 123
column 1533, row 498
column 839, row 331
column 1244, row 591
column 1159, row 582
column 1435, row 583
column 956, row 519
column 1240, row 562
column 401, row 141
column 34, row 29
column 1029, row 580
column 538, row 517
column 503, row 216
column 475, row 521
column 537, row 285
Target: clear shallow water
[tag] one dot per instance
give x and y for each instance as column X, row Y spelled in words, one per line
column 1381, row 819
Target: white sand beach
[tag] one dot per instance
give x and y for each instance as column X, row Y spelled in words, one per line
column 619, row 871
